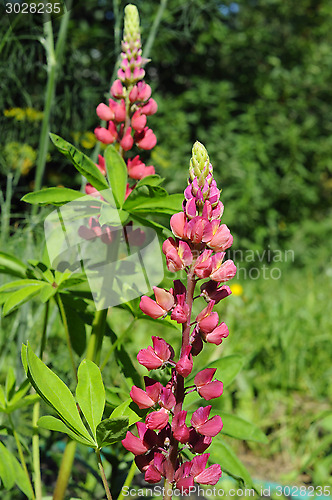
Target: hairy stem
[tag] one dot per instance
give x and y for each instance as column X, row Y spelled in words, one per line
column 103, row 476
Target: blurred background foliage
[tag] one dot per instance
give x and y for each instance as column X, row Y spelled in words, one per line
column 251, row 80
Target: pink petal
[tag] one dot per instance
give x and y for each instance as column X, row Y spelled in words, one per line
column 167, row 399
column 178, row 223
column 209, row 323
column 163, row 298
column 151, row 308
column 141, row 398
column 134, row 444
column 199, row 463
column 212, row 427
column 200, row 416
column 157, row 419
column 205, row 376
column 149, row 359
column 212, row 390
column 162, row 348
column 211, row 475
column 217, row 335
column 152, row 475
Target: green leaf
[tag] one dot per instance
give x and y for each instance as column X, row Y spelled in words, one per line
column 7, row 472
column 11, row 265
column 159, row 204
column 21, row 391
column 90, row 393
column 51, row 388
column 111, row 431
column 56, row 196
column 125, row 410
column 18, row 284
column 55, row 424
column 150, row 180
column 10, row 383
column 81, row 162
column 11, row 472
column 239, row 428
column 117, row 174
column 22, row 403
column 228, row 367
column 222, row 454
column 20, row 296
column 2, row 397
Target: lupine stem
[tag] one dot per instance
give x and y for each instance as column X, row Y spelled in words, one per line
column 53, row 56
column 179, row 388
column 103, row 476
column 65, row 471
column 35, row 417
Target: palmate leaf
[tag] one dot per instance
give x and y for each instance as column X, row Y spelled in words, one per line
column 81, row 162
column 54, row 392
column 147, row 199
column 90, row 393
column 55, row 424
column 110, row 431
column 18, row 297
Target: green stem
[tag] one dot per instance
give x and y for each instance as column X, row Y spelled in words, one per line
column 65, row 325
column 128, row 480
column 5, row 217
column 20, row 452
column 65, row 471
column 97, row 335
column 53, row 58
column 103, row 476
column 154, row 28
column 168, row 490
column 35, row 418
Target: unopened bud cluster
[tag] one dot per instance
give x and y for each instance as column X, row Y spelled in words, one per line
column 131, row 103
column 167, row 435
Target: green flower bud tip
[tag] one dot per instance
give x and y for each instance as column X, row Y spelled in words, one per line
column 131, row 22
column 200, row 160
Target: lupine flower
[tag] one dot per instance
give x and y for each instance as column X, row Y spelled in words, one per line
column 197, row 250
column 207, row 319
column 177, row 256
column 157, row 419
column 217, row 335
column 211, row 475
column 179, row 428
column 222, row 272
column 207, row 388
column 159, row 308
column 211, row 291
column 154, row 357
column 205, row 426
column 185, row 363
